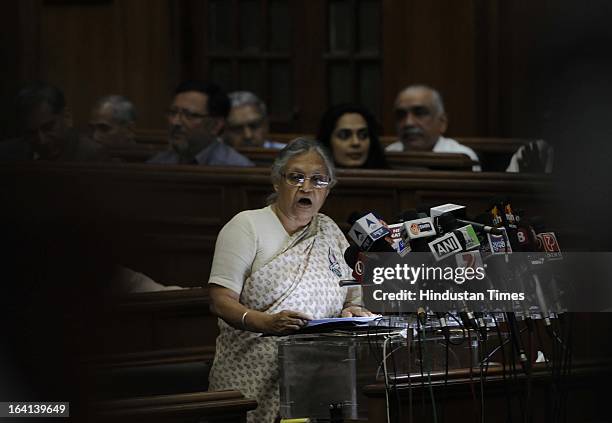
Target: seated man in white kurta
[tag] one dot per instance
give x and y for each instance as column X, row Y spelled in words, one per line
column 421, row 122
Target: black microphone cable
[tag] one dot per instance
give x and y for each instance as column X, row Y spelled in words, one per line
column 444, row 329
column 431, row 392
column 502, row 343
column 420, row 346
column 567, row 362
column 557, row 361
column 410, row 408
column 542, row 347
column 472, row 387
column 482, row 347
column 383, row 363
column 514, row 374
column 528, row 393
column 397, row 416
column 444, row 392
column 398, row 402
column 512, row 366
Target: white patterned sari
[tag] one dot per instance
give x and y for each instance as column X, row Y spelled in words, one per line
column 304, row 277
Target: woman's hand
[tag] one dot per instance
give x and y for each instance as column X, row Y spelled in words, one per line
column 283, row 323
column 355, row 311
column 225, row 303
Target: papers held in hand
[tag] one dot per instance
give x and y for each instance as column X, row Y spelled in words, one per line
column 335, row 323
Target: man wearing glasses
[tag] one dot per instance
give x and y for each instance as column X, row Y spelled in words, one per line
column 421, row 122
column 196, row 119
column 247, row 123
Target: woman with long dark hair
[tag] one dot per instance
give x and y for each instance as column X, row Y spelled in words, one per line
column 350, row 132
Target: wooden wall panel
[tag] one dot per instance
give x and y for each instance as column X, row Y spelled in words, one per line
column 147, row 63
column 78, row 53
column 20, row 44
column 437, row 40
column 488, row 58
column 90, row 49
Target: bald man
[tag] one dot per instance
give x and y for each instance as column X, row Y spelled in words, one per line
column 112, row 122
column 421, row 123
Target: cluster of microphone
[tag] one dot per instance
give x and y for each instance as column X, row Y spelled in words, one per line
column 447, row 234
column 444, row 231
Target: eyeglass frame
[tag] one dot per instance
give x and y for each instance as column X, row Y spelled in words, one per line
column 305, row 178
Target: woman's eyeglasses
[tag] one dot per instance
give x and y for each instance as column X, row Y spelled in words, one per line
column 297, row 179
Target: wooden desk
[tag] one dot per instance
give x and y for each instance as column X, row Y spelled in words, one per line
column 585, row 396
column 200, row 407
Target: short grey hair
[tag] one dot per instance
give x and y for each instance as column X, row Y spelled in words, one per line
column 297, row 147
column 247, row 98
column 124, row 111
column 438, row 103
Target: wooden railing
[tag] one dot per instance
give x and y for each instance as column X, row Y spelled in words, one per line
column 494, row 152
column 165, row 219
column 199, row 407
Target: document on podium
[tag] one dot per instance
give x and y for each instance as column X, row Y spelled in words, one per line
column 355, row 321
column 337, row 323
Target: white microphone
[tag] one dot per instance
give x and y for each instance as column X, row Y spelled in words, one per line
column 367, row 230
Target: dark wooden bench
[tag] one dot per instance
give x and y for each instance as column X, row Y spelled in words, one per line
column 166, row 218
column 494, row 152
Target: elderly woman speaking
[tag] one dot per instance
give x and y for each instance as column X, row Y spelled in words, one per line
column 273, row 270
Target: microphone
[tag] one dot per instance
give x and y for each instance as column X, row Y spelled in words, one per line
column 510, row 217
column 400, row 245
column 368, row 233
column 445, row 246
column 455, row 209
column 443, row 324
column 545, row 241
column 525, row 234
column 494, row 212
column 459, row 212
column 548, row 243
column 354, row 259
column 348, row 282
column 417, row 229
column 481, row 228
column 447, row 223
column 515, row 335
column 420, row 227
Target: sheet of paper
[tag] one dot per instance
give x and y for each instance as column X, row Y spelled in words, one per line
column 356, row 321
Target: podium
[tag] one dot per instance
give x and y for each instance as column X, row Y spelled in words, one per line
column 321, row 370
column 345, row 368
column 325, row 369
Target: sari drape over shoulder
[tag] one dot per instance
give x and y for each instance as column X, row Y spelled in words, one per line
column 303, row 277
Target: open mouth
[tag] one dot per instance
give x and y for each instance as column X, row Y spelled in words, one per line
column 305, row 202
